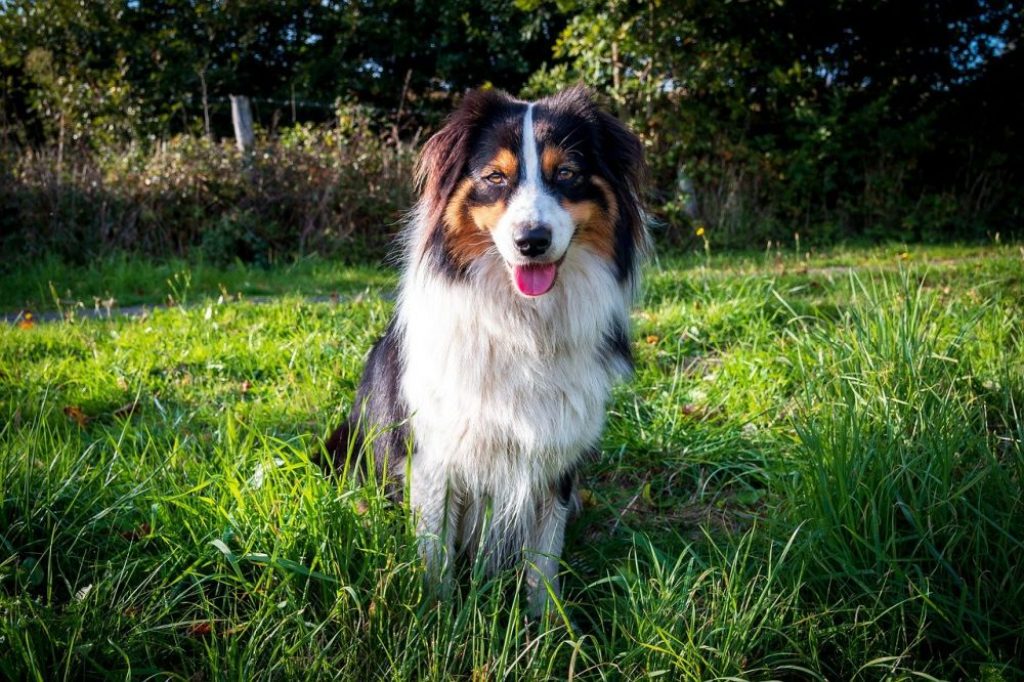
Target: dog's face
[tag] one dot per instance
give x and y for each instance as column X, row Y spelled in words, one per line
column 527, row 182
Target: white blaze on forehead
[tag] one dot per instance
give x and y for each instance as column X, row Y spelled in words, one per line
column 532, row 204
column 530, row 160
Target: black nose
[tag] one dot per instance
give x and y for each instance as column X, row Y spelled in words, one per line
column 534, row 241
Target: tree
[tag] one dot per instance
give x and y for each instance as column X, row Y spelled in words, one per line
column 791, row 113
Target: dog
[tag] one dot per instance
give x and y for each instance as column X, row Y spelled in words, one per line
column 488, row 389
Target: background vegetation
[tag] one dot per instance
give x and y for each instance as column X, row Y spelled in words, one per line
column 869, row 118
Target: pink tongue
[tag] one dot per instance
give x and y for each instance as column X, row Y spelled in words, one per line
column 535, row 280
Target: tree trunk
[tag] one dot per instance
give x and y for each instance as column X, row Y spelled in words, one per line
column 60, row 148
column 241, row 117
column 206, row 104
column 620, row 102
column 396, row 126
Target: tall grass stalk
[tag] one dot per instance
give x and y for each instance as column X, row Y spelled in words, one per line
column 911, row 494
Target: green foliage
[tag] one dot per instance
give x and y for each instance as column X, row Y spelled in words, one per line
column 766, row 118
column 761, row 119
column 95, row 109
column 182, row 58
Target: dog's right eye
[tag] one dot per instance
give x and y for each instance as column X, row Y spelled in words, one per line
column 495, row 178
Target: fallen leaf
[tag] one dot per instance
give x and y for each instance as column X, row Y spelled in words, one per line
column 75, row 414
column 653, row 339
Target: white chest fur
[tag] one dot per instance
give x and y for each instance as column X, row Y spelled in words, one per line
column 506, row 392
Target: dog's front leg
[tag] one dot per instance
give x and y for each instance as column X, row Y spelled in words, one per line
column 430, row 497
column 544, row 552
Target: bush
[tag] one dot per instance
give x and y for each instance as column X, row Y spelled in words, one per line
column 312, row 188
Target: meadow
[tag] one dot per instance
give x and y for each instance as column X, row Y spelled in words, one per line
column 816, row 473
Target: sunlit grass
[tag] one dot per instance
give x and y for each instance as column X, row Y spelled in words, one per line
column 817, row 473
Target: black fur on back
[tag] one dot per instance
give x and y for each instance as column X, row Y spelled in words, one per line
column 379, row 415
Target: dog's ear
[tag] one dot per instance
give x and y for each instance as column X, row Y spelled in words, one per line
column 623, row 152
column 442, row 162
column 620, row 155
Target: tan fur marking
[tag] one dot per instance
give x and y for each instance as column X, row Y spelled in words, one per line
column 550, row 160
column 465, row 238
column 596, row 225
column 583, row 212
column 487, row 217
column 506, row 162
column 455, row 211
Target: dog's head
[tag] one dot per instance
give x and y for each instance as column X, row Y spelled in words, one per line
column 528, row 182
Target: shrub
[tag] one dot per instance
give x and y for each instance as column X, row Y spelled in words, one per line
column 312, row 188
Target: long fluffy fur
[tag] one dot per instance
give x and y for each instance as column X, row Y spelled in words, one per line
column 496, row 397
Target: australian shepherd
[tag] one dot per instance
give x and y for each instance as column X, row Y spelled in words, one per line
column 489, row 386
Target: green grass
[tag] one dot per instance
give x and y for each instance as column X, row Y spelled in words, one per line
column 121, row 280
column 817, row 473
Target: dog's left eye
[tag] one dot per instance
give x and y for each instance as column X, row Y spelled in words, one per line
column 565, row 174
column 495, row 178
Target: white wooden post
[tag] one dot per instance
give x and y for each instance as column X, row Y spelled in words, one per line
column 241, row 117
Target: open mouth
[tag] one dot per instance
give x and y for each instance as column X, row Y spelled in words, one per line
column 535, row 279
